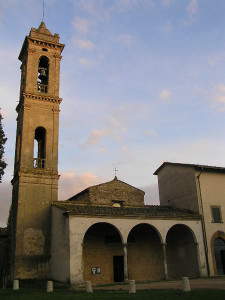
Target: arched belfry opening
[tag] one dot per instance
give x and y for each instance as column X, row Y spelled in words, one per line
column 219, row 250
column 181, row 249
column 39, row 147
column 43, row 73
column 103, row 254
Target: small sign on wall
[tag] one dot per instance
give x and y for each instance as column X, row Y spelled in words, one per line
column 95, row 270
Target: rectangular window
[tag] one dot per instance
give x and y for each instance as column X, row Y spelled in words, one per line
column 216, row 214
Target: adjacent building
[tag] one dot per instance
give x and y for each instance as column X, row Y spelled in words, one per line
column 201, row 189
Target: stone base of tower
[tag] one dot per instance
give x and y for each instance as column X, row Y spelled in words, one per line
column 32, row 267
column 31, row 207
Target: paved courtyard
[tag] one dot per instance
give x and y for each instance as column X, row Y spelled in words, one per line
column 201, row 283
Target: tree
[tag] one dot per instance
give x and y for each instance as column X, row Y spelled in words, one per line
column 3, row 140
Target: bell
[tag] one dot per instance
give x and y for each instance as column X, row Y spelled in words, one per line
column 42, row 72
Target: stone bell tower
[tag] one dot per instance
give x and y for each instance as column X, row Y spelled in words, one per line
column 35, row 181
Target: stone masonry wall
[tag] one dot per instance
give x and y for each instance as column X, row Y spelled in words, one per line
column 145, row 260
column 177, row 187
column 116, row 191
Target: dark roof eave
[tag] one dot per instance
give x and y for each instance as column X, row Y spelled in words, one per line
column 143, row 212
column 195, row 166
column 167, row 217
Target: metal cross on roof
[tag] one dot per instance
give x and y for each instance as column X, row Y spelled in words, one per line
column 116, row 171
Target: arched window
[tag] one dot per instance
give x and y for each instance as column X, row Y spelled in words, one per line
column 39, row 147
column 43, row 72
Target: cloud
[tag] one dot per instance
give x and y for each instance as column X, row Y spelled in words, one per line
column 217, row 58
column 100, row 10
column 71, row 183
column 81, row 25
column 192, row 10
column 125, row 151
column 152, row 133
column 167, row 3
column 165, row 95
column 221, row 93
column 218, row 96
column 96, row 135
column 126, row 40
column 85, row 62
column 215, row 96
column 4, row 113
column 102, row 150
column 114, row 129
column 167, row 28
column 84, row 44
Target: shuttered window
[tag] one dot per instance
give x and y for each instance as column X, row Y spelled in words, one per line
column 216, row 214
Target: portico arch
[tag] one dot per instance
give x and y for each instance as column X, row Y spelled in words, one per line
column 181, row 248
column 103, row 254
column 145, row 257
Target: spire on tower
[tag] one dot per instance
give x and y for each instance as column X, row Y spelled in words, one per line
column 43, row 14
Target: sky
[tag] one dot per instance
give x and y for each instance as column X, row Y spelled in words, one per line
column 142, row 82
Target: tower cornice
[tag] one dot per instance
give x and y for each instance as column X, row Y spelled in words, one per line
column 41, row 42
column 42, row 98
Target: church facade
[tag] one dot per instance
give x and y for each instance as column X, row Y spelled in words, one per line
column 105, row 233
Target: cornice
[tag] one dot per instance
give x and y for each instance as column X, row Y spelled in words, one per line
column 42, row 98
column 32, row 97
column 45, row 43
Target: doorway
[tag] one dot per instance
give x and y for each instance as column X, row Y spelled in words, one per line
column 118, row 268
column 219, row 250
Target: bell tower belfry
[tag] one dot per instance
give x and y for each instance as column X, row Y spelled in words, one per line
column 35, row 181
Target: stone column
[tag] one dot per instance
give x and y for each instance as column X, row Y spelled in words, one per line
column 125, row 264
column 198, row 259
column 76, row 260
column 165, row 261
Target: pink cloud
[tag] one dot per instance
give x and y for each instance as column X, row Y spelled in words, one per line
column 71, row 183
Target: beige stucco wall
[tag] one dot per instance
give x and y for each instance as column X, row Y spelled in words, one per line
column 78, row 226
column 213, row 193
column 60, row 254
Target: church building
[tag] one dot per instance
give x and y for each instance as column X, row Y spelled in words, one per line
column 105, row 233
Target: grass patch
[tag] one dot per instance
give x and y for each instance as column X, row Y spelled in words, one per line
column 40, row 294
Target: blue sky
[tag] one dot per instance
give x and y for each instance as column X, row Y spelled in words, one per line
column 142, row 82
